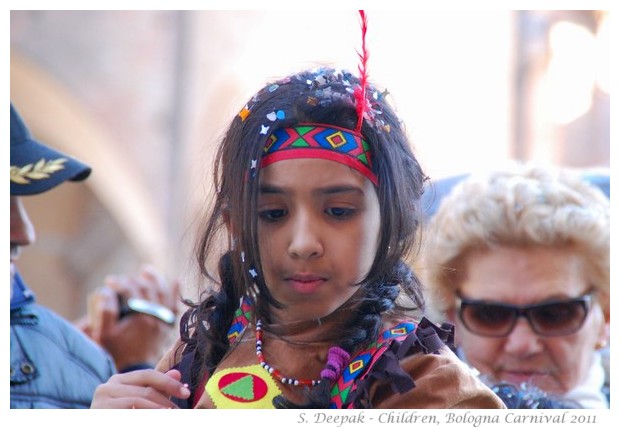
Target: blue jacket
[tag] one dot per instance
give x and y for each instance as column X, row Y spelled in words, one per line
column 53, row 364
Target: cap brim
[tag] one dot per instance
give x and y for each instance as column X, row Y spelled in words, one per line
column 36, row 168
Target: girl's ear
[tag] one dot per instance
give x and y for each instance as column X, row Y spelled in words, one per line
column 229, row 228
column 226, row 219
column 226, row 216
column 232, row 237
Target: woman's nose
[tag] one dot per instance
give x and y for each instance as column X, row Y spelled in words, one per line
column 522, row 341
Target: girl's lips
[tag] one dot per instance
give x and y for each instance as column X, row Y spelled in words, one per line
column 305, row 284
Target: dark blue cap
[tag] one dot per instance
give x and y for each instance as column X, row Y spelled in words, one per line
column 35, row 167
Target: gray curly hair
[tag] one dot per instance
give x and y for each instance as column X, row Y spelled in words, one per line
column 525, row 204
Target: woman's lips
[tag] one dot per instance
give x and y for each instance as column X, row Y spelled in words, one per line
column 518, row 377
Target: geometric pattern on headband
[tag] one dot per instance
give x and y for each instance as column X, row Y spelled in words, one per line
column 320, row 141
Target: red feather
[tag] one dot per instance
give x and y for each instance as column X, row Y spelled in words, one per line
column 359, row 94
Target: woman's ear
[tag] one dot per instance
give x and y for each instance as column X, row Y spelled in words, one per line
column 601, row 326
column 603, row 337
column 451, row 315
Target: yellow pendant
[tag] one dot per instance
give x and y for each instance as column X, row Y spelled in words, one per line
column 245, row 387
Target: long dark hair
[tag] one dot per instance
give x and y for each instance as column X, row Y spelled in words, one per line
column 314, row 96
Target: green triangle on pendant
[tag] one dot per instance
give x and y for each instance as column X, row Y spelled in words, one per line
column 242, row 388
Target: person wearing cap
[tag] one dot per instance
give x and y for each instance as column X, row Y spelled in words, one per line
column 55, row 364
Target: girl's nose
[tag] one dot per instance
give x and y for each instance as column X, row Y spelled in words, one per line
column 305, row 239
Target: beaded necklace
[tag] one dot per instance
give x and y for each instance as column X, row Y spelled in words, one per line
column 337, row 360
column 271, row 370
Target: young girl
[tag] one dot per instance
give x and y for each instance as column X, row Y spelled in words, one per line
column 316, row 196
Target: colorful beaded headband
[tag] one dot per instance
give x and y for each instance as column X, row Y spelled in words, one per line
column 320, row 141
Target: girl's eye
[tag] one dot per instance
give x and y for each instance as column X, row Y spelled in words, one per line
column 340, row 212
column 272, row 215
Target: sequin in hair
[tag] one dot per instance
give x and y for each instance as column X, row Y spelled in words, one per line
column 324, row 96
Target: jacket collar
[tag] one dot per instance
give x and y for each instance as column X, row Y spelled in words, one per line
column 20, row 294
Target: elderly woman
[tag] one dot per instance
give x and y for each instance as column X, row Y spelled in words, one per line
column 518, row 260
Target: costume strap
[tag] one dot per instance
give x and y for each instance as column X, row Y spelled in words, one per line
column 241, row 318
column 380, row 361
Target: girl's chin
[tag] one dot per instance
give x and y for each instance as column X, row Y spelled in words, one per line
column 302, row 312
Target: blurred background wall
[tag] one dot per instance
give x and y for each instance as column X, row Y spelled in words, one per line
column 143, row 97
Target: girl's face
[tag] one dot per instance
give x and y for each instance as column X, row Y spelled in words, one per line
column 318, row 231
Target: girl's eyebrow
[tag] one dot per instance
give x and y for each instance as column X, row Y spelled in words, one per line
column 340, row 189
column 270, row 189
column 328, row 190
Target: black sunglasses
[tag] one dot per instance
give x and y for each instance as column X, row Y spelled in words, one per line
column 549, row 318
